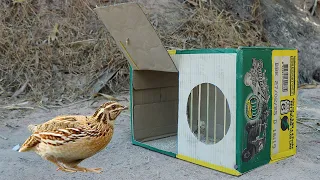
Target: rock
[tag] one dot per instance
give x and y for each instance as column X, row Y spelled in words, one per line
column 16, row 147
column 316, row 75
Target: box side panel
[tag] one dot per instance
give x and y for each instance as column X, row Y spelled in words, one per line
column 254, row 108
column 156, row 120
column 218, row 69
column 146, row 96
column 169, row 94
column 154, row 79
column 155, row 104
column 131, row 103
column 284, row 85
column 142, row 100
column 239, row 108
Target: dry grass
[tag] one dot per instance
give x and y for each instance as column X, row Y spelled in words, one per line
column 210, row 27
column 52, row 51
column 59, row 62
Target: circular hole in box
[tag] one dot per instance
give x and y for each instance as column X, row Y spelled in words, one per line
column 212, row 117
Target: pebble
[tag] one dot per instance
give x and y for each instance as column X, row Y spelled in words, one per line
column 16, row 147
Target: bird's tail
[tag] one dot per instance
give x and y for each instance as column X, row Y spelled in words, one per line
column 31, row 141
column 29, row 144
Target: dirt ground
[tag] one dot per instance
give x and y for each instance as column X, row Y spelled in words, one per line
column 122, row 160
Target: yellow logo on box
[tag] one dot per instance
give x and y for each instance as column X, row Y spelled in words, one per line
column 249, row 109
column 252, row 109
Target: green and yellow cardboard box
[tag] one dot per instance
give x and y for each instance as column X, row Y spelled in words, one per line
column 265, row 81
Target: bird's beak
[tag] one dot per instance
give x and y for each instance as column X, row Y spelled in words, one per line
column 125, row 107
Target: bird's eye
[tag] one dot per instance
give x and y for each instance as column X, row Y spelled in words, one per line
column 113, row 106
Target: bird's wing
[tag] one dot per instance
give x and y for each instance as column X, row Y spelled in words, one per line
column 54, row 128
column 59, row 122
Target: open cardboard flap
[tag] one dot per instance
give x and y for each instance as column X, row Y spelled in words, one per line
column 155, row 77
column 136, row 37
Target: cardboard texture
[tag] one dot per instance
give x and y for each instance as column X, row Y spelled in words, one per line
column 136, row 37
column 146, row 96
column 155, row 103
column 169, row 93
column 218, row 69
column 152, row 121
column 154, row 79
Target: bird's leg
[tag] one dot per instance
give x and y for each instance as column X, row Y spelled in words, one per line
column 60, row 167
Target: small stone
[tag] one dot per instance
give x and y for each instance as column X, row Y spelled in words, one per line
column 16, row 147
column 318, row 157
column 316, row 75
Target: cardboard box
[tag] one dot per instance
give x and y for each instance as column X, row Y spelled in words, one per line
column 231, row 110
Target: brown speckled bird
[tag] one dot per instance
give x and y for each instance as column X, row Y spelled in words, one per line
column 68, row 140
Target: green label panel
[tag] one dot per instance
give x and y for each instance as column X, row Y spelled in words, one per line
column 254, row 108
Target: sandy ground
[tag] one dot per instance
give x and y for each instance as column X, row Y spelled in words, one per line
column 122, row 160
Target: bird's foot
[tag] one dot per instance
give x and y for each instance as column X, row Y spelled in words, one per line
column 82, row 169
column 65, row 169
